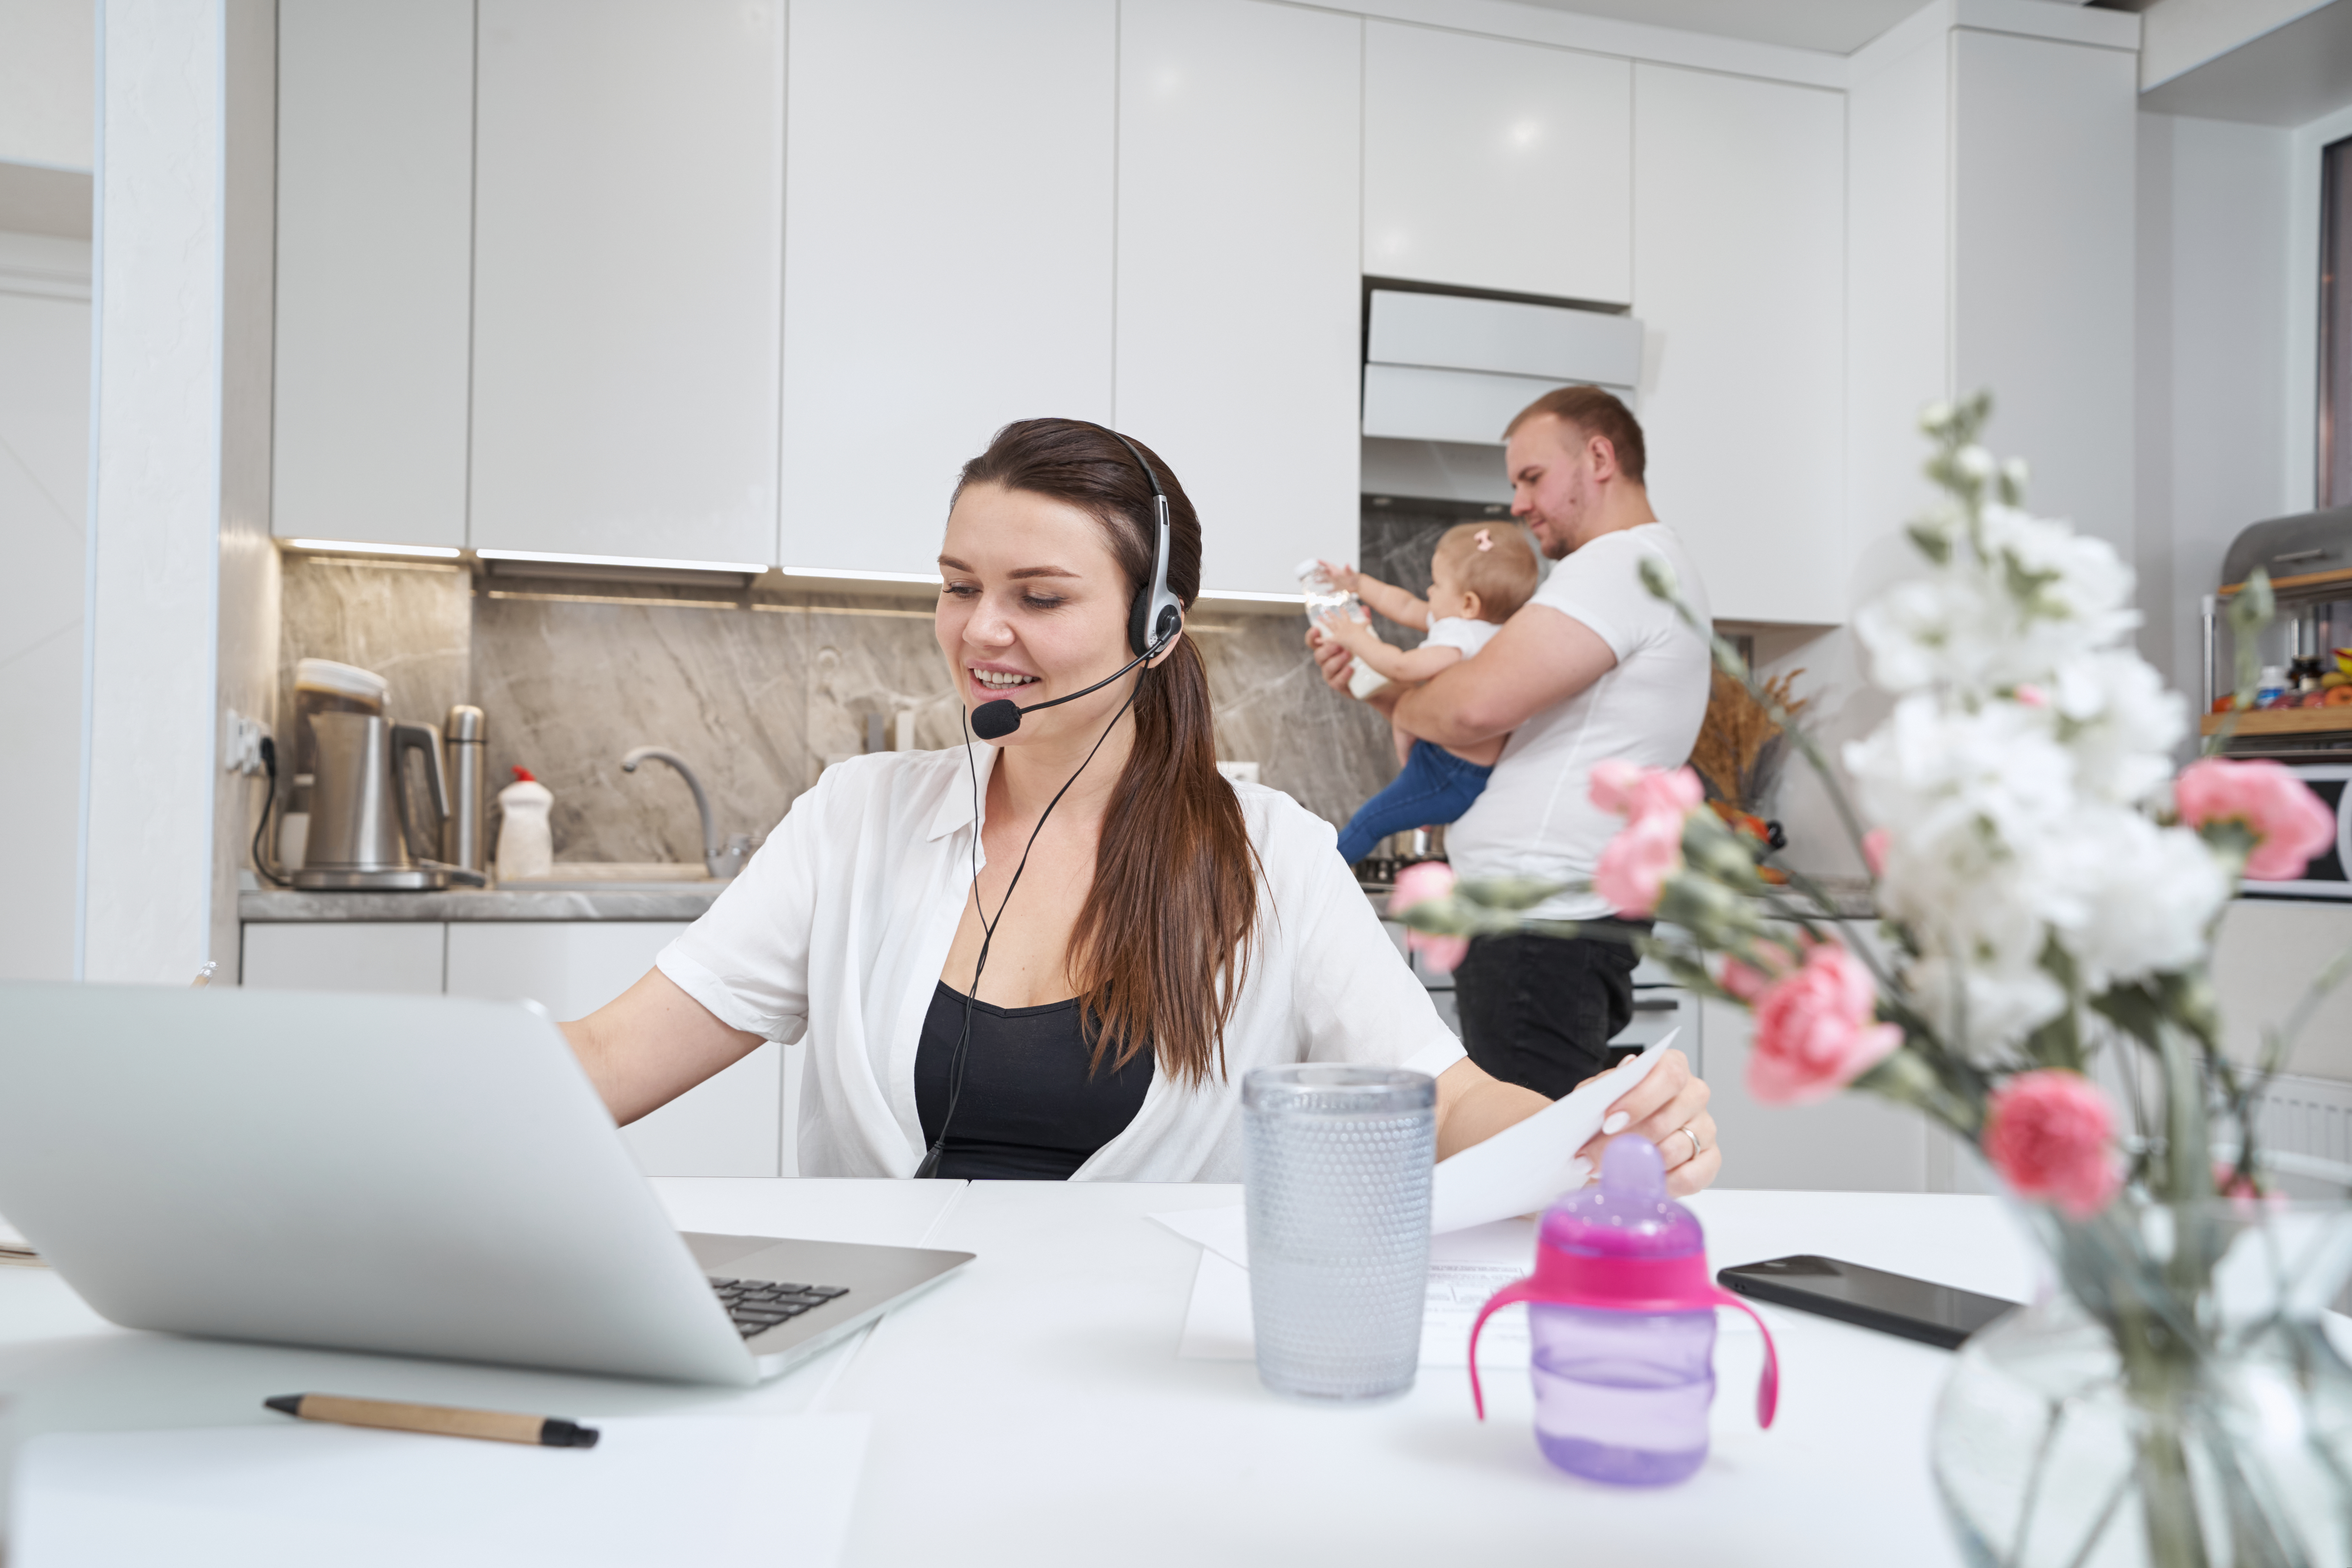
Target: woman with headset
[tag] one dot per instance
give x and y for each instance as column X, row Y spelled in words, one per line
column 1056, row 955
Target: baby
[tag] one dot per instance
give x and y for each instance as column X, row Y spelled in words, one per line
column 1480, row 574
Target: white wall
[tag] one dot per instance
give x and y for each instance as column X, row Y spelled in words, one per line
column 44, row 486
column 182, row 608
column 2214, row 362
column 48, row 79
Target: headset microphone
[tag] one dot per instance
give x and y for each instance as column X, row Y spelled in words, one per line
column 995, row 720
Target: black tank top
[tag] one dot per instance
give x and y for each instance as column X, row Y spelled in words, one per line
column 1029, row 1111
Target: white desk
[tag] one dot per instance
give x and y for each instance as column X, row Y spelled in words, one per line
column 1032, row 1410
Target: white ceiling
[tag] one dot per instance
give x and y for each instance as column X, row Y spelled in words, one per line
column 1839, row 26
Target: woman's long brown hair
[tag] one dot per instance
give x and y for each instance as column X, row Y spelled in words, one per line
column 1162, row 944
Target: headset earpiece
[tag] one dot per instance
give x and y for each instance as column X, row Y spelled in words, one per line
column 1157, row 615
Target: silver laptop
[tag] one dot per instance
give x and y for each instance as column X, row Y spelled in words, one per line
column 418, row 1176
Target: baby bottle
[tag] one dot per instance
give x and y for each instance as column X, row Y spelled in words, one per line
column 1327, row 602
column 1622, row 1311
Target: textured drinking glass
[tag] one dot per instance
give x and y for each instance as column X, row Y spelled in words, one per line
column 1338, row 1189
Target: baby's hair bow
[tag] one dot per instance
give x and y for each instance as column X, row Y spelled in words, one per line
column 1486, row 538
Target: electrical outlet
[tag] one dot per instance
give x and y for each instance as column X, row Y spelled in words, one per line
column 241, row 753
column 1239, row 772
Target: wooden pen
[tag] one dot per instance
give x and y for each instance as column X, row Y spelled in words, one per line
column 441, row 1420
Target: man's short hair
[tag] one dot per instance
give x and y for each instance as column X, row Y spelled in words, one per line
column 1594, row 413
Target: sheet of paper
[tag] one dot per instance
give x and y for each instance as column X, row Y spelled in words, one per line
column 1225, row 1231
column 773, row 1489
column 14, row 1248
column 1522, row 1168
column 1217, row 1322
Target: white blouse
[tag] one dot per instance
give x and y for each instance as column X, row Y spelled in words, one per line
column 837, row 931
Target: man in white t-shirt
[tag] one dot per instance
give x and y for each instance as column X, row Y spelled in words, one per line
column 1592, row 667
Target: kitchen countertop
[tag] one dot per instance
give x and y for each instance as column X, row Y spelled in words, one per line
column 280, row 905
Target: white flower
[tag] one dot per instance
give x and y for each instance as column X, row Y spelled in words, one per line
column 2120, row 722
column 2142, row 897
column 2075, row 591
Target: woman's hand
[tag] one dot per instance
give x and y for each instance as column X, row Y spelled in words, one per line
column 1669, row 1108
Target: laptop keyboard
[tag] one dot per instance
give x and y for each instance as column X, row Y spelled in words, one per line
column 759, row 1305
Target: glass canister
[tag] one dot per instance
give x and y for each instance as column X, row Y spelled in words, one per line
column 1621, row 1313
column 1336, row 1186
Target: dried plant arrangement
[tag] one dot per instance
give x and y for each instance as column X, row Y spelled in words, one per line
column 1741, row 748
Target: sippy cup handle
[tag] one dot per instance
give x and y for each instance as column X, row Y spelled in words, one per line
column 1534, row 1289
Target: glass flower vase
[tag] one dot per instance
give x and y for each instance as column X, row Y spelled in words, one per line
column 2173, row 1400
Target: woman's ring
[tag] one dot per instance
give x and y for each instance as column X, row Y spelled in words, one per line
column 1697, row 1147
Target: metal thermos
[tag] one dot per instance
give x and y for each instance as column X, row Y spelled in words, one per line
column 463, row 840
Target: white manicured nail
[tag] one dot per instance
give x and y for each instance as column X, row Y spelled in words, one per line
column 1616, row 1123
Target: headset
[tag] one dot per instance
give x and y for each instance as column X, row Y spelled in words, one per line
column 1152, row 622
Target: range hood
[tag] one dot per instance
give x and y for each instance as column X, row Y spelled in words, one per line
column 1451, row 368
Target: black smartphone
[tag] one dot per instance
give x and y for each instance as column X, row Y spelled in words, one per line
column 1939, row 1315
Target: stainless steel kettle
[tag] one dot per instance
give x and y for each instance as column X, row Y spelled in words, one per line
column 360, row 835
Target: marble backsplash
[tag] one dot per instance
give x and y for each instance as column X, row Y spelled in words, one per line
column 758, row 692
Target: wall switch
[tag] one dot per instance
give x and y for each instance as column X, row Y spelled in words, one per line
column 1239, row 772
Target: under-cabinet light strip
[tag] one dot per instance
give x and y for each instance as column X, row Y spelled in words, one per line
column 552, row 557
column 346, row 547
column 846, row 575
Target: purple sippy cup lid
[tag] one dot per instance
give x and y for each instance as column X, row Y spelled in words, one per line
column 1626, row 1213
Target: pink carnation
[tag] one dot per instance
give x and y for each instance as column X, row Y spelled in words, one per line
column 1635, row 864
column 2289, row 822
column 1875, row 844
column 1418, row 884
column 1815, row 1031
column 1629, row 790
column 1747, row 983
column 2048, row 1132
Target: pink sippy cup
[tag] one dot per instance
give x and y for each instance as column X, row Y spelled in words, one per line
column 1623, row 1316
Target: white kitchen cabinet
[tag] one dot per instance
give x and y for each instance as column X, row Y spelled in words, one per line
column 1496, row 164
column 629, row 188
column 1240, row 293
column 948, row 236
column 1738, row 274
column 1848, row 1142
column 733, row 1124
column 387, row 958
column 375, row 198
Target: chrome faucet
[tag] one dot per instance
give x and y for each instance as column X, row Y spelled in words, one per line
column 720, row 862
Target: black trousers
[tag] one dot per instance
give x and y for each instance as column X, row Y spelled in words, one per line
column 1540, row 1011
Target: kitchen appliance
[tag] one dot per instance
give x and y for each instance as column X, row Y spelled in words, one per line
column 464, row 841
column 2309, row 560
column 361, row 835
